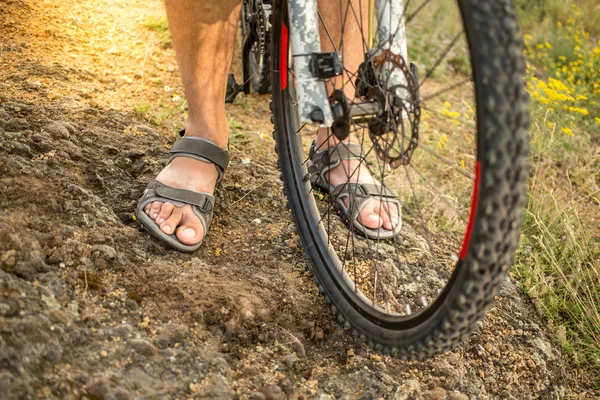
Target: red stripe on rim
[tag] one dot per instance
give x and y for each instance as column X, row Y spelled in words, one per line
column 474, row 199
column 283, row 57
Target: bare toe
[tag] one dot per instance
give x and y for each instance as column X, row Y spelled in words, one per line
column 155, row 209
column 165, row 212
column 191, row 230
column 170, row 224
column 369, row 216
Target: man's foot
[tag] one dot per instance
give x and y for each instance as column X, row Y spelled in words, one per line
column 376, row 213
column 183, row 173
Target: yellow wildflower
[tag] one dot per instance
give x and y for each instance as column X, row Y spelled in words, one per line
column 582, row 111
column 447, row 104
column 451, row 114
column 597, row 120
column 442, row 141
column 567, row 131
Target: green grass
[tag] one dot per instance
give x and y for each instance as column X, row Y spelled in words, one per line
column 538, row 16
column 161, row 28
column 558, row 261
column 141, row 108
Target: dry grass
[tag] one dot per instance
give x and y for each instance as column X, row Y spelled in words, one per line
column 558, row 261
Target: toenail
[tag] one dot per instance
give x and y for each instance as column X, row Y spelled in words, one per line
column 189, row 232
column 395, row 220
column 160, row 221
column 374, row 218
column 154, row 215
column 167, row 229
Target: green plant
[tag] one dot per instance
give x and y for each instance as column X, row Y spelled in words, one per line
column 161, row 27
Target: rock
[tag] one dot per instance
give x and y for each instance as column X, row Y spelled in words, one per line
column 324, row 396
column 107, row 252
column 145, row 129
column 70, row 127
column 57, row 130
column 72, row 105
column 124, row 331
column 122, row 394
column 287, row 385
column 544, row 347
column 143, row 347
column 51, row 302
column 290, row 360
column 409, row 390
column 98, row 389
column 103, row 255
column 8, row 259
column 273, row 392
column 457, row 396
column 217, row 388
column 438, row 393
column 256, row 396
column 101, row 389
column 198, row 263
column 221, row 366
column 16, row 124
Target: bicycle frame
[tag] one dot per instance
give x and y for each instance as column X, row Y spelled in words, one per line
column 313, row 103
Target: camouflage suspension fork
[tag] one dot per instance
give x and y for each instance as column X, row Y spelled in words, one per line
column 313, row 102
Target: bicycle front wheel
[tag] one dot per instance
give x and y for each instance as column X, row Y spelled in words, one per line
column 453, row 145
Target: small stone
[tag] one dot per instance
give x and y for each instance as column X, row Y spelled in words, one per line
column 106, row 251
column 103, row 354
column 273, row 392
column 290, row 360
column 145, row 129
column 457, row 396
column 438, row 393
column 8, row 259
column 57, row 130
column 51, row 302
column 411, row 389
column 287, row 385
column 143, row 347
column 256, row 221
column 123, row 331
column 194, row 387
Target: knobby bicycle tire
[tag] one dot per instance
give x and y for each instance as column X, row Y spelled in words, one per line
column 499, row 191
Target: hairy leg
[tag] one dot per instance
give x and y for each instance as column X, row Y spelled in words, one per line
column 352, row 46
column 203, row 37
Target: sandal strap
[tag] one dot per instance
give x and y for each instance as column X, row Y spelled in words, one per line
column 201, row 149
column 359, row 193
column 204, row 201
column 324, row 160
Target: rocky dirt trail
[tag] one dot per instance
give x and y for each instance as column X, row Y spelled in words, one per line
column 91, row 307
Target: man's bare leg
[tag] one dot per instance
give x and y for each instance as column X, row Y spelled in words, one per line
column 203, row 37
column 375, row 214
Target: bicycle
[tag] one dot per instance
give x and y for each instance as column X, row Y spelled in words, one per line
column 460, row 171
column 256, row 37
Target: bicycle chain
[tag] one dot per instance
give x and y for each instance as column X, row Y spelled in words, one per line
column 405, row 155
